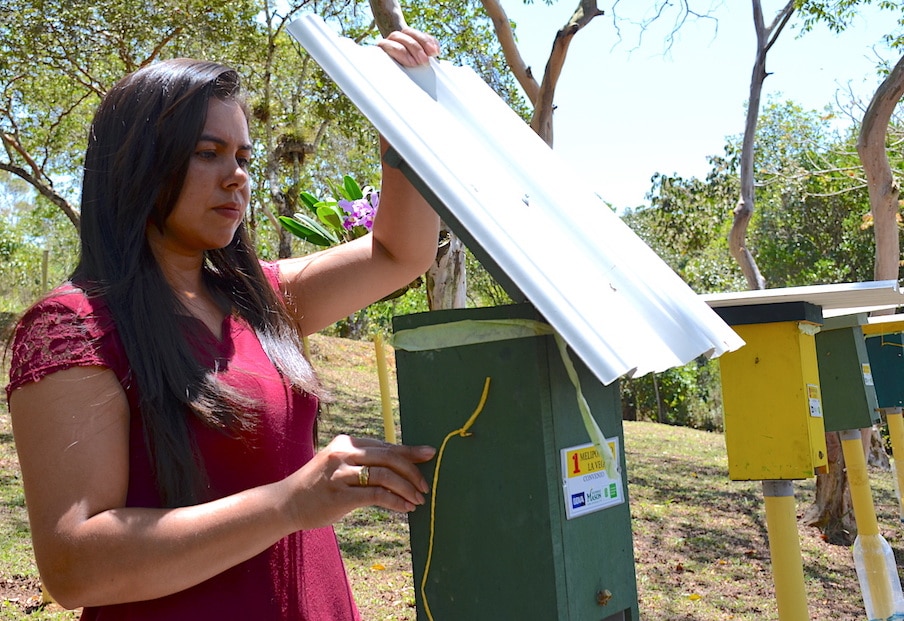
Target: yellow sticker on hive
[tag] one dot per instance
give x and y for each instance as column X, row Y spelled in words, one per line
column 814, row 400
column 586, row 485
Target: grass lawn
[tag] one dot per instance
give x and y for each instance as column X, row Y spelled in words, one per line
column 700, row 540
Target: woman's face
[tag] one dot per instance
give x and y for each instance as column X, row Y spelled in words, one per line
column 216, row 190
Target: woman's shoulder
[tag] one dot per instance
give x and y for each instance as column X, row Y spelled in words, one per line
column 271, row 272
column 67, row 306
column 66, row 328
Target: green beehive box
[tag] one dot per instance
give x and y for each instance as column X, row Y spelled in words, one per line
column 848, row 394
column 886, row 357
column 500, row 543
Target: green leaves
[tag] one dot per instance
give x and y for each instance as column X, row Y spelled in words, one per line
column 330, row 226
column 308, row 229
column 352, row 189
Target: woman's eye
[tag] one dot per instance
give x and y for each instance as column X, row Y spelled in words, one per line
column 243, row 162
column 207, row 155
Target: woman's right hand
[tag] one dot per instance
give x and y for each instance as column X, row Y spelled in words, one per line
column 329, row 486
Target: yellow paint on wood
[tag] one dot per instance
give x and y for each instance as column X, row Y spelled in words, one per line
column 389, row 433
column 774, row 428
column 787, row 563
column 883, row 327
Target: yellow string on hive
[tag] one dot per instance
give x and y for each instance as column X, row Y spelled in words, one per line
column 463, row 432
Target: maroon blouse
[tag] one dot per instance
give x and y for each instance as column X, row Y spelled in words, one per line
column 301, row 577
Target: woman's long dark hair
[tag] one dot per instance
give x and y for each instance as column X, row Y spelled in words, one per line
column 139, row 146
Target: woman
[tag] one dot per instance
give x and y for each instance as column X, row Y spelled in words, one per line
column 161, row 407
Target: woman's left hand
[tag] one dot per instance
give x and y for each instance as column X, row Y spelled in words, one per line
column 349, row 473
column 409, row 47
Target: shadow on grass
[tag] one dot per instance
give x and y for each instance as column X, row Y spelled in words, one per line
column 372, row 532
column 682, row 508
column 351, row 414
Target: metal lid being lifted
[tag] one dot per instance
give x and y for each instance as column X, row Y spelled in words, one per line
column 535, row 225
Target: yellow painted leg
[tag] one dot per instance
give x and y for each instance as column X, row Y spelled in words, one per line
column 896, row 434
column 383, row 374
column 880, row 585
column 784, row 549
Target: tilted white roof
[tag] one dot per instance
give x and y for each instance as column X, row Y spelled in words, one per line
column 534, row 223
column 847, row 298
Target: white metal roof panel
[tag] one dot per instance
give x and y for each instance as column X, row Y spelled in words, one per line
column 884, row 324
column 834, row 299
column 533, row 222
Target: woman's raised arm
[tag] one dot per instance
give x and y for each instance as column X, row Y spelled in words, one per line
column 334, row 283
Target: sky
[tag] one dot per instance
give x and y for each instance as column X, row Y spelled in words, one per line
column 625, row 111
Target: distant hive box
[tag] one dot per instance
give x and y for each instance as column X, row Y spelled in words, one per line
column 771, row 393
column 846, row 375
column 503, row 546
column 886, row 356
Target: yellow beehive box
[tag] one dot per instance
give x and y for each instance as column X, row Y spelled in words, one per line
column 774, row 427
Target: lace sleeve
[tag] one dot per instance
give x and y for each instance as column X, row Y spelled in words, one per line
column 54, row 335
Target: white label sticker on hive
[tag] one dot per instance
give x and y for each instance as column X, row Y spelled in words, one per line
column 867, row 375
column 586, row 485
column 815, row 401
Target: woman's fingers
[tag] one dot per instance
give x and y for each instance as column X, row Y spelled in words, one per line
column 384, row 478
column 392, row 467
column 354, row 472
column 410, row 47
column 386, row 489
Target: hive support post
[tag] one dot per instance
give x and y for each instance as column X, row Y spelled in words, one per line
column 896, row 434
column 877, row 573
column 784, row 550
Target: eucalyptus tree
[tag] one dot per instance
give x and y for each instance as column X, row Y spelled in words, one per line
column 876, row 126
column 541, row 92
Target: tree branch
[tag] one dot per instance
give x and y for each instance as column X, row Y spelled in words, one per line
column 743, row 212
column 506, row 37
column 543, row 108
column 881, row 184
column 45, row 191
column 387, row 15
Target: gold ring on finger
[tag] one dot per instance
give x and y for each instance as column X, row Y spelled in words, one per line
column 364, row 476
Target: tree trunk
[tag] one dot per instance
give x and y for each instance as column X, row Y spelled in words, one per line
column 832, row 511
column 743, row 212
column 881, row 184
column 876, row 455
column 388, row 16
column 883, row 199
column 446, row 281
column 446, row 278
